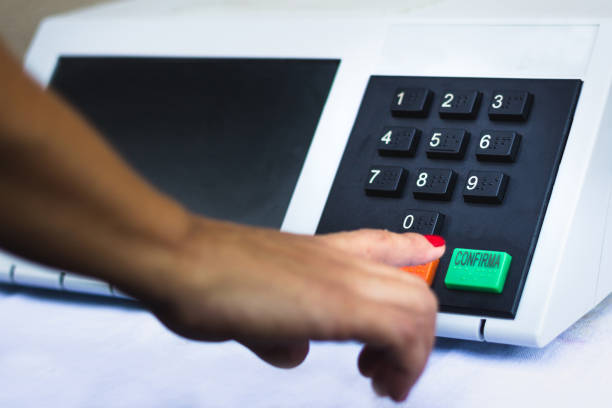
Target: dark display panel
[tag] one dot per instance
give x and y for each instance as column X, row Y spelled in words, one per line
column 226, row 137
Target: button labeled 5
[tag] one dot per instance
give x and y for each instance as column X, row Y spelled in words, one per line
column 447, row 143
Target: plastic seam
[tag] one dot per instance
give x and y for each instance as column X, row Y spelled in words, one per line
column 481, row 335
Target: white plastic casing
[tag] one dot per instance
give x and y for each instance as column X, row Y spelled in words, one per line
column 31, row 274
column 76, row 283
column 570, row 271
column 6, row 266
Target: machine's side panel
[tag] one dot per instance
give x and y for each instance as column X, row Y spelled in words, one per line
column 562, row 283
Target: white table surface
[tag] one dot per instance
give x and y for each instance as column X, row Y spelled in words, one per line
column 60, row 350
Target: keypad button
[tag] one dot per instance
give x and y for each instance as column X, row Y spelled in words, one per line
column 478, row 270
column 447, row 143
column 398, row 141
column 485, row 187
column 421, row 222
column 385, row 181
column 498, row 145
column 510, row 105
column 459, row 104
column 411, row 102
column 434, row 184
column 426, row 272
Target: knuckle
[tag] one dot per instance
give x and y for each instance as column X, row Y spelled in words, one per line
column 379, row 236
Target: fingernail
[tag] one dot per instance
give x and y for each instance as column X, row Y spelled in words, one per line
column 435, row 240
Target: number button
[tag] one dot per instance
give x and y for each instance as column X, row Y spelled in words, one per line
column 422, row 222
column 510, row 105
column 459, row 104
column 447, row 143
column 498, row 145
column 385, row 181
column 411, row 102
column 398, row 141
column 485, row 187
column 434, row 184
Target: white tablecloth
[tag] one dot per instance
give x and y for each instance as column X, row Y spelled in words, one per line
column 59, row 350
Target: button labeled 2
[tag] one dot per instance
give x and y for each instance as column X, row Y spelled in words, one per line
column 459, row 104
column 385, row 181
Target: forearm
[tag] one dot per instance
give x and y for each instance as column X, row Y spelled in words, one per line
column 67, row 199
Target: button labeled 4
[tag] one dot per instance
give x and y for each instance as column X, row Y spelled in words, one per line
column 398, row 141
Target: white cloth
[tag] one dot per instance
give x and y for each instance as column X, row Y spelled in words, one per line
column 59, row 350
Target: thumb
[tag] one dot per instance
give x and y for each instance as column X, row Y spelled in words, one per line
column 388, row 247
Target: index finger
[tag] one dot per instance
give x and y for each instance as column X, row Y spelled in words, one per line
column 388, row 247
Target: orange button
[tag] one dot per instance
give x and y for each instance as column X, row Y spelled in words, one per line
column 426, row 272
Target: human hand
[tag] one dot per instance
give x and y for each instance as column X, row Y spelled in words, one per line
column 273, row 292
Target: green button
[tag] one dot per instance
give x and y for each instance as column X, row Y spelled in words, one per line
column 478, row 270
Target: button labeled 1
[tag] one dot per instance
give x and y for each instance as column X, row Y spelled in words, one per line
column 485, row 187
column 411, row 102
column 385, row 181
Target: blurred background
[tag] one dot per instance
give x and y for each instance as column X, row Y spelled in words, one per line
column 19, row 18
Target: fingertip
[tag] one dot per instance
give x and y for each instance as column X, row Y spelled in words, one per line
column 369, row 360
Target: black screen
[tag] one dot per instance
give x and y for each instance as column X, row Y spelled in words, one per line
column 225, row 137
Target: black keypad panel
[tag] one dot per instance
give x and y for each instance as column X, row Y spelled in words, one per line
column 471, row 159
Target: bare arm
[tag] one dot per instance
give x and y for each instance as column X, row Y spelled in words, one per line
column 69, row 201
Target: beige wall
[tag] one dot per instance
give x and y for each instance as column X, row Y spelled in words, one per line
column 19, row 18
